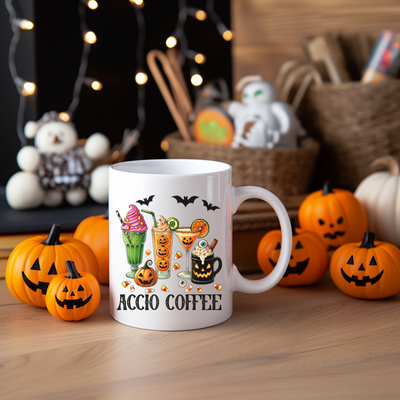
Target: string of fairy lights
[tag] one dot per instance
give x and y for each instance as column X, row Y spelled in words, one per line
column 23, row 87
column 176, row 39
column 26, row 88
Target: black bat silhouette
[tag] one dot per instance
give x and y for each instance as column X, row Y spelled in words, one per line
column 209, row 206
column 146, row 201
column 185, row 201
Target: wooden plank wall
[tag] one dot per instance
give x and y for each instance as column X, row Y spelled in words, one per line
column 270, row 32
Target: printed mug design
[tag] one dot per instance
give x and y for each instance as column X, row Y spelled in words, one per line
column 151, row 260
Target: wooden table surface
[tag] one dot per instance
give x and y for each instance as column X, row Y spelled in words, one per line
column 289, row 343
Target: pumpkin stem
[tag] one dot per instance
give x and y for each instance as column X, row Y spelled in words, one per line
column 106, row 216
column 368, row 241
column 327, row 188
column 147, row 264
column 54, row 236
column 73, row 273
column 293, row 225
column 389, row 162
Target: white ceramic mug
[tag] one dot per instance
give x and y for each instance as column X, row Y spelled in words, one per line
column 161, row 212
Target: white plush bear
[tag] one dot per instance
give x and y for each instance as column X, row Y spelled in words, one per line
column 260, row 119
column 57, row 167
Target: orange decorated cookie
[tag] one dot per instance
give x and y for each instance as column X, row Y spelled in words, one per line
column 213, row 125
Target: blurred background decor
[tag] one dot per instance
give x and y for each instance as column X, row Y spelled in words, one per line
column 314, row 53
column 354, row 122
column 50, row 56
column 124, row 104
column 286, row 172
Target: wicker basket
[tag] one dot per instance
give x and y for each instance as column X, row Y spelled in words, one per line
column 355, row 124
column 283, row 172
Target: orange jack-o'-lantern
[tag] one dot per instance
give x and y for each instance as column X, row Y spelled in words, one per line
column 36, row 261
column 368, row 269
column 335, row 214
column 146, row 276
column 74, row 296
column 309, row 257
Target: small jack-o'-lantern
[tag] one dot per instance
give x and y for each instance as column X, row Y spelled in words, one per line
column 146, row 276
column 163, row 240
column 162, row 265
column 335, row 214
column 162, row 251
column 73, row 297
column 368, row 269
column 309, row 258
column 37, row 260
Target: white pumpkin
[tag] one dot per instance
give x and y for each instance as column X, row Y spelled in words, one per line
column 379, row 193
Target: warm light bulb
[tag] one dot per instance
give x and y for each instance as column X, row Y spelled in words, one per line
column 139, row 3
column 64, row 116
column 92, row 4
column 164, row 145
column 227, row 35
column 196, row 80
column 28, row 88
column 90, row 37
column 171, row 42
column 141, row 78
column 200, row 58
column 201, row 15
column 96, row 85
column 26, row 25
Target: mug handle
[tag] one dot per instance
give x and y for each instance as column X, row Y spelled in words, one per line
column 219, row 265
column 241, row 284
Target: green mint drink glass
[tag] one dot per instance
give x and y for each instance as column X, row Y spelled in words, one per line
column 134, row 244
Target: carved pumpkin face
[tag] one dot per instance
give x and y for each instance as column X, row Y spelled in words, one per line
column 162, row 251
column 42, row 279
column 335, row 214
column 367, row 270
column 202, row 272
column 163, row 240
column 163, row 265
column 73, row 297
column 146, row 276
column 187, row 241
column 309, row 258
column 36, row 261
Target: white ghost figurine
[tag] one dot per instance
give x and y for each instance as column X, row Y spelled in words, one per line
column 260, row 119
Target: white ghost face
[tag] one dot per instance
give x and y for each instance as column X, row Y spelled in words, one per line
column 259, row 92
column 56, row 137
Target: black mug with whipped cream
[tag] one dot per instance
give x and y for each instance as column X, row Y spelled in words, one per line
column 203, row 263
